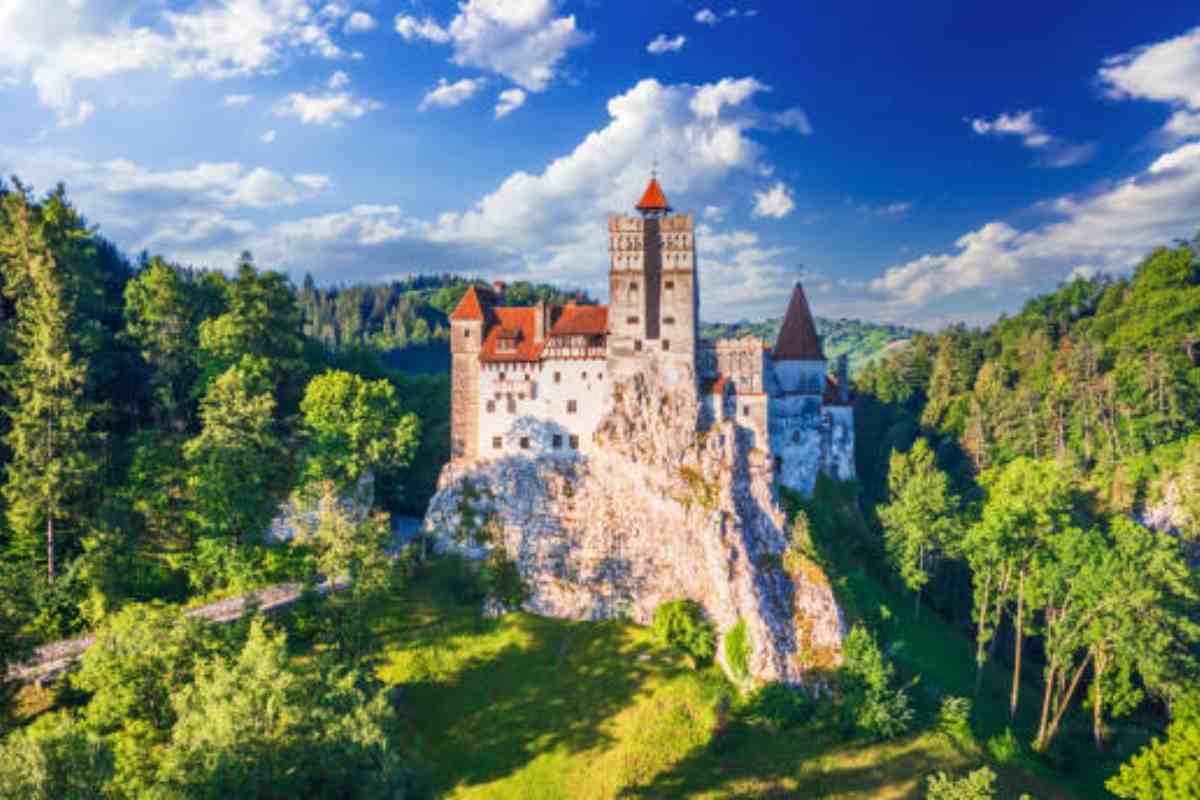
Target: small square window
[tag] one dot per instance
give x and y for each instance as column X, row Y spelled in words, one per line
column 745, row 411
column 633, row 286
column 574, row 442
column 571, row 406
column 512, row 404
column 669, row 285
column 558, row 377
column 585, row 376
column 466, row 333
column 524, row 442
column 666, row 344
column 631, row 320
column 668, row 320
column 557, row 441
column 496, row 442
column 637, row 345
column 502, row 377
column 491, row 406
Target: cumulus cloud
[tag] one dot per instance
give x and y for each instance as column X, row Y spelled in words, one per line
column 509, row 101
column 448, row 95
column 776, row 202
column 1166, row 72
column 663, row 44
column 1108, row 230
column 238, row 99
column 338, row 80
column 714, row 213
column 360, row 22
column 1052, row 151
column 794, row 119
column 523, row 40
column 706, row 16
column 213, row 39
column 332, row 108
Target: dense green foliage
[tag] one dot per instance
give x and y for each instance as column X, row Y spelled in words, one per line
column 1167, row 768
column 682, row 624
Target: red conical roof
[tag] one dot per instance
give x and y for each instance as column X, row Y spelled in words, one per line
column 798, row 340
column 468, row 308
column 653, row 198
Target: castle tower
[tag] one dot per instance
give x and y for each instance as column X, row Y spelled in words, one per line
column 467, row 323
column 800, row 363
column 653, row 290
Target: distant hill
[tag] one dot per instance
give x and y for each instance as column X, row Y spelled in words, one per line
column 408, row 322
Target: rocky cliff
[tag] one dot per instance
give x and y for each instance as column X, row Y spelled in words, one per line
column 653, row 511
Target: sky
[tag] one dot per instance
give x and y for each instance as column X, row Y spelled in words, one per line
column 920, row 163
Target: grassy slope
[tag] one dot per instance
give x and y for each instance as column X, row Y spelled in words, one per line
column 527, row 707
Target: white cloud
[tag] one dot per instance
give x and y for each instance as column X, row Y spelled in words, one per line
column 1167, row 72
column 1182, row 125
column 897, row 209
column 715, row 213
column 448, row 95
column 1109, row 230
column 338, row 80
column 776, row 202
column 212, row 39
column 1053, row 151
column 312, row 181
column 705, row 16
column 522, row 40
column 360, row 22
column 330, row 109
column 509, row 101
column 710, row 98
column 794, row 119
column 238, row 99
column 268, row 137
column 662, row 44
column 83, row 111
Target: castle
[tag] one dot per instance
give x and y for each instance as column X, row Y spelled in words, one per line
column 537, row 380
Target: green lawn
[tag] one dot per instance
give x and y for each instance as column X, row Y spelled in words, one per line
column 528, row 707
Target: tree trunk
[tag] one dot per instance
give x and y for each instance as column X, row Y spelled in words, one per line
column 982, row 613
column 50, row 548
column 1063, row 703
column 1098, row 702
column 1045, row 709
column 1016, row 678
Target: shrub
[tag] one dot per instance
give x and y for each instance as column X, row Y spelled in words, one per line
column 1006, row 748
column 954, row 720
column 681, row 624
column 977, row 785
column 878, row 710
column 780, row 706
column 502, row 583
column 738, row 648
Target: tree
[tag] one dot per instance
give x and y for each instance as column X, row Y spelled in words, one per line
column 16, row 610
column 880, row 711
column 52, row 466
column 919, row 523
column 354, row 426
column 260, row 725
column 160, row 312
column 1167, row 768
column 54, row 758
column 977, row 785
column 238, row 466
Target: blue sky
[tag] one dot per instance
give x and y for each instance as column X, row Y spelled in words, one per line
column 918, row 163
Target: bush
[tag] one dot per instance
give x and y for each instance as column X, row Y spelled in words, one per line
column 681, row 623
column 954, row 720
column 1006, row 748
column 977, row 785
column 878, row 710
column 502, row 583
column 738, row 649
column 780, row 706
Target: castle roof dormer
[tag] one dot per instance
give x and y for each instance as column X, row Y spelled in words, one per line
column 798, row 339
column 653, row 200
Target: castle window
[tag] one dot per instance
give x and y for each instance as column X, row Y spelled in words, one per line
column 778, row 464
column 557, row 441
column 491, row 406
column 571, row 406
column 631, row 320
column 558, row 377
column 669, row 285
column 496, row 442
column 585, row 376
column 524, row 442
column 795, row 437
column 666, row 345
column 574, row 442
column 466, row 333
column 512, row 404
column 745, row 411
column 637, row 345
column 668, row 320
column 633, row 287
column 502, row 377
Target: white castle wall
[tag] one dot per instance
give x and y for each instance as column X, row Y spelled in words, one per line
column 541, row 406
column 801, row 376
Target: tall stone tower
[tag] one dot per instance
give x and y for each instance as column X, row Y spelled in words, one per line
column 466, row 340
column 654, row 294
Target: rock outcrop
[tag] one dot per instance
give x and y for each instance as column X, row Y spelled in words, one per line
column 651, row 512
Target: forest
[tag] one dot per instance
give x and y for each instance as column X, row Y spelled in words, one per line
column 1017, row 561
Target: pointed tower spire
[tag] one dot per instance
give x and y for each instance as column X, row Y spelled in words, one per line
column 798, row 339
column 653, row 201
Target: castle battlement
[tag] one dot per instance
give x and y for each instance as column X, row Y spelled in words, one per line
column 538, row 380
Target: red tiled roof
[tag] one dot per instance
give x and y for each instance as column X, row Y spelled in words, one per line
column 653, row 198
column 798, row 340
column 469, row 308
column 512, row 323
column 576, row 320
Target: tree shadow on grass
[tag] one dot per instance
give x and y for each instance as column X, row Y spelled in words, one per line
column 552, row 685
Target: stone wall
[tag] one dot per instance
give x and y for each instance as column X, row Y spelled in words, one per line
column 656, row 513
